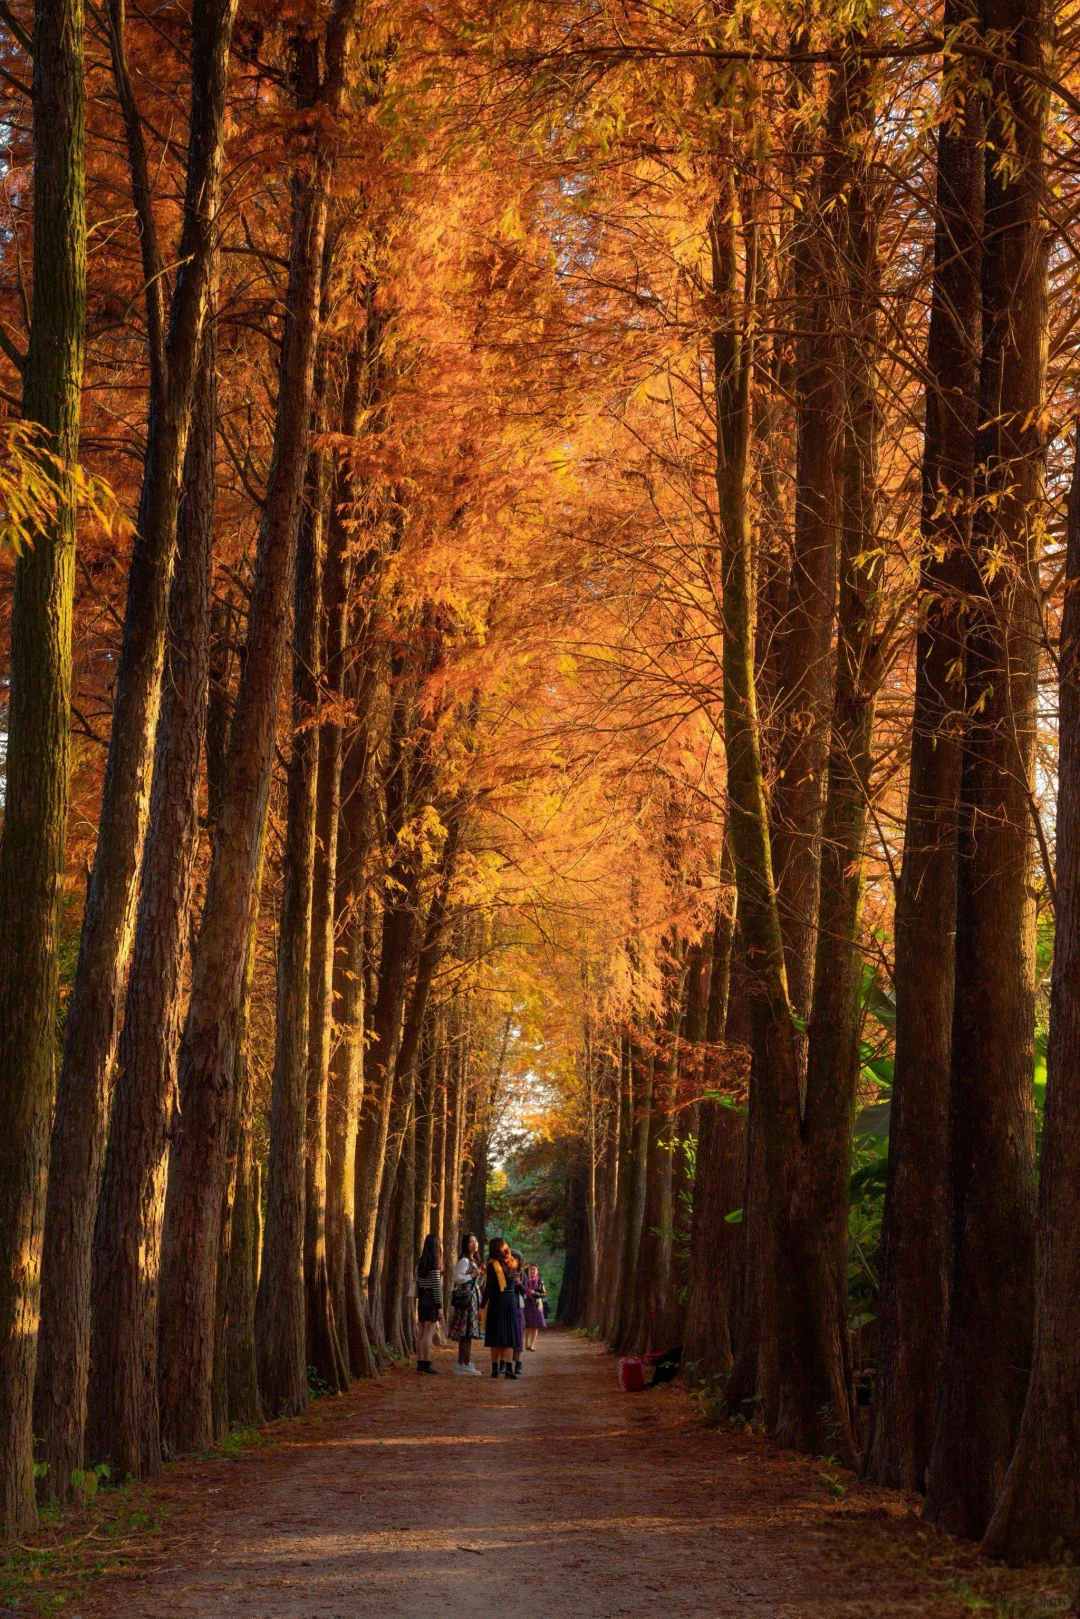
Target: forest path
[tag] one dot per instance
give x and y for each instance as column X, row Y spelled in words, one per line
column 557, row 1494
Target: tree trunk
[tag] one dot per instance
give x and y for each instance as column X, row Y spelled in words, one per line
column 1037, row 1516
column 395, row 964
column 913, row 1239
column 620, row 1216
column 207, row 1054
column 653, row 1317
column 424, row 1117
column 804, row 634
column 280, row 1310
column 643, row 1062
column 718, row 1181
column 38, row 723
column 774, row 1120
column 347, row 1068
column 457, row 1097
column 241, row 1367
column 570, row 1306
column 992, row 1180
column 86, row 1076
column 823, row 1415
column 122, row 1407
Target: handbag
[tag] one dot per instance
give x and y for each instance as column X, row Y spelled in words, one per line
column 411, row 1292
column 460, row 1297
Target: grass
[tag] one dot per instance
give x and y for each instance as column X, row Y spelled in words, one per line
column 69, row 1550
column 66, row 1553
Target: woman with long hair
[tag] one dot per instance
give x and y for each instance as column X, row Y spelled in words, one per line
column 500, row 1303
column 428, row 1299
column 519, row 1319
column 465, row 1305
column 534, row 1305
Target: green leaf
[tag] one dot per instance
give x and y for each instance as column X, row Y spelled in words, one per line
column 734, row 1218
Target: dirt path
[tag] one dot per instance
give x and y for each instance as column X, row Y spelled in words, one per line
column 556, row 1495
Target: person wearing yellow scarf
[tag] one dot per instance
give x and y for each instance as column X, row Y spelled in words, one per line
column 499, row 1305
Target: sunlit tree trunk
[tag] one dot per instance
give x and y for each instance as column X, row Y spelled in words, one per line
column 208, row 1049
column 38, row 722
column 85, row 1087
column 347, row 1065
column 122, row 1405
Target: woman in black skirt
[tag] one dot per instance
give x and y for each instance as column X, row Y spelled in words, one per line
column 500, row 1300
column 428, row 1299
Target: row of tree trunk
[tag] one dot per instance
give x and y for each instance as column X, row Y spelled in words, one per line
column 169, row 1306
column 977, row 1311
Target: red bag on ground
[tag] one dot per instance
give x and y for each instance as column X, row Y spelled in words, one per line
column 632, row 1373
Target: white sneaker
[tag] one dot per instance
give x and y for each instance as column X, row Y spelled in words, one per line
column 472, row 1371
column 459, row 1370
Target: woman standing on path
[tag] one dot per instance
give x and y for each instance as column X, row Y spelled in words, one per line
column 500, row 1301
column 519, row 1319
column 465, row 1303
column 428, row 1300
column 534, row 1305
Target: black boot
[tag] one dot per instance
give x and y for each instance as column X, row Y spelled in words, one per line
column 517, row 1368
column 494, row 1368
column 508, row 1371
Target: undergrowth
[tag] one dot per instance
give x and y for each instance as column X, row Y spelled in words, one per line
column 46, row 1573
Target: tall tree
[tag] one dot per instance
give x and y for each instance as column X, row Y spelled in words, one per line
column 280, row 1332
column 207, row 1052
column 1037, row 1515
column 818, row 1250
column 122, row 1402
column 86, row 1076
column 38, row 724
column 992, row 1182
column 913, row 1235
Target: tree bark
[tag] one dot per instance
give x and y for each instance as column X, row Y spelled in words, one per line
column 122, row 1404
column 38, row 723
column 1037, row 1516
column 642, row 1061
column 822, row 1415
column 347, row 1067
column 241, row 1366
column 913, row 1293
column 395, row 963
column 84, row 1092
column 615, row 1248
column 718, row 1182
column 280, row 1310
column 774, row 1119
column 992, row 1180
column 804, row 635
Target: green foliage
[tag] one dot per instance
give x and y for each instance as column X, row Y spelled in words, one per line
column 526, row 1204
column 87, row 1479
column 74, row 1548
column 36, row 486
column 748, row 1414
column 318, row 1387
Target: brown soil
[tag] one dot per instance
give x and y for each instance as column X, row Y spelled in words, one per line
column 555, row 1495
